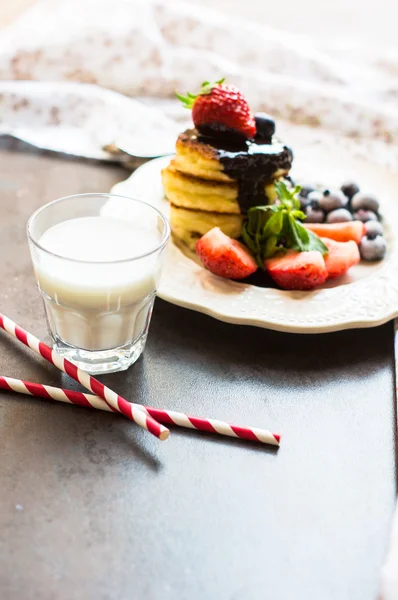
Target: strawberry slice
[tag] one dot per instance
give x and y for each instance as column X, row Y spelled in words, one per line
column 341, row 256
column 297, row 270
column 220, row 108
column 224, row 256
column 340, row 232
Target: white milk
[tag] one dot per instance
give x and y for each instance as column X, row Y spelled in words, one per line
column 98, row 305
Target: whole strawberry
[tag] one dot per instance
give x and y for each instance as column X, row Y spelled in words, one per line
column 220, row 108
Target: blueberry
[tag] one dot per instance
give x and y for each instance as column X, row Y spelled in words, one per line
column 314, row 198
column 306, row 188
column 365, row 215
column 314, row 215
column 349, row 189
column 332, row 200
column 290, row 151
column 340, row 215
column 303, row 202
column 374, row 249
column 363, row 201
column 373, row 228
column 265, row 126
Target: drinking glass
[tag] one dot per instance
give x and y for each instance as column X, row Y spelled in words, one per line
column 97, row 260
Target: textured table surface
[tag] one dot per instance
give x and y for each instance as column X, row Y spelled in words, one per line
column 92, row 508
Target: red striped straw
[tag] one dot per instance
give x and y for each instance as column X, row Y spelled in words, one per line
column 134, row 412
column 164, row 416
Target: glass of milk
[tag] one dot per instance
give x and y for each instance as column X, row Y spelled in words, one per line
column 97, row 260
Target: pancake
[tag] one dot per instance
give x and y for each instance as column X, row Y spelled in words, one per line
column 251, row 164
column 197, row 158
column 191, row 192
column 187, row 226
column 210, row 183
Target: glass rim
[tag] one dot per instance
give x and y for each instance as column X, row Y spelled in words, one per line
column 158, row 248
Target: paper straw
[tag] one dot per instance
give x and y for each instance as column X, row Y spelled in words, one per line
column 134, row 412
column 166, row 416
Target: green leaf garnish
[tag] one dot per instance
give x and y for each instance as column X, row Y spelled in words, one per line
column 207, row 87
column 316, row 243
column 277, row 228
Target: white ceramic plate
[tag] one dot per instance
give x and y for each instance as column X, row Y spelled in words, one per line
column 367, row 297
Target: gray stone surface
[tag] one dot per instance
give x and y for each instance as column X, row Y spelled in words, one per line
column 93, row 508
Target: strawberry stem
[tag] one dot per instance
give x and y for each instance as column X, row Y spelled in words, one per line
column 206, row 88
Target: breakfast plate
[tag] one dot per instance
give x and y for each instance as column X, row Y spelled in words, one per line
column 366, row 297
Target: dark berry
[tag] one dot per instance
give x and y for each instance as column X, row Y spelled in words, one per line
column 314, row 215
column 372, row 249
column 314, row 198
column 365, row 215
column 306, row 188
column 373, row 228
column 289, row 149
column 349, row 189
column 265, row 126
column 362, row 201
column 332, row 200
column 340, row 215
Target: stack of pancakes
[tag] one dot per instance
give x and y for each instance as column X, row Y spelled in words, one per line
column 209, row 185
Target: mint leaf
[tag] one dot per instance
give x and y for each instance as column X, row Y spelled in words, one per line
column 248, row 239
column 299, row 235
column 286, row 196
column 304, row 240
column 316, row 243
column 271, row 247
column 298, row 214
column 276, row 227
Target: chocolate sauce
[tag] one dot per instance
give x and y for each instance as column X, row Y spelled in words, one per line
column 253, row 165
